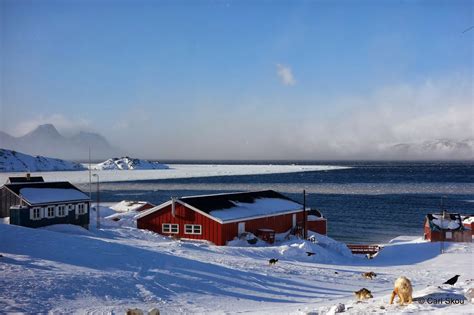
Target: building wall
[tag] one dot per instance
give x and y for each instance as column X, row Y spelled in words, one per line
column 319, row 226
column 21, row 216
column 469, row 226
column 211, row 230
column 7, row 200
column 280, row 224
column 440, row 236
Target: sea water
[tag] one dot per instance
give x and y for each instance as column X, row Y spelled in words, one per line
column 370, row 202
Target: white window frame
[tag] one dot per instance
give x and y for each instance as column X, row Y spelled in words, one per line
column 168, row 228
column 448, row 235
column 194, row 229
column 32, row 213
column 46, row 210
column 58, row 211
column 81, row 208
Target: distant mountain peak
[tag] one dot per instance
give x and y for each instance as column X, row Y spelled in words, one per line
column 46, row 140
column 46, row 128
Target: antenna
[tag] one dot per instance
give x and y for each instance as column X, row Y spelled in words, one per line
column 305, row 232
column 90, row 174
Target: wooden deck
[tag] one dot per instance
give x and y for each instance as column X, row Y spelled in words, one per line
column 364, row 249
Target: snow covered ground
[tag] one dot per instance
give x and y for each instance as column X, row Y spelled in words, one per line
column 176, row 171
column 65, row 269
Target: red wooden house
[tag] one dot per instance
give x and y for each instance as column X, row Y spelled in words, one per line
column 220, row 218
column 446, row 227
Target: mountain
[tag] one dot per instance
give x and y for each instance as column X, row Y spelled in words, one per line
column 126, row 163
column 46, row 140
column 12, row 161
column 435, row 149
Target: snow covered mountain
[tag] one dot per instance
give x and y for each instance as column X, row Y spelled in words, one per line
column 435, row 149
column 12, row 161
column 127, row 163
column 46, row 140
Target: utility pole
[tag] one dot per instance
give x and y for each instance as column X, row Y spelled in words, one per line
column 305, row 232
column 97, row 208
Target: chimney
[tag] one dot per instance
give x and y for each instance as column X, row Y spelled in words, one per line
column 173, row 206
column 446, row 215
column 28, row 176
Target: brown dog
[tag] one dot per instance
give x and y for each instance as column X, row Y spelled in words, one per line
column 369, row 275
column 363, row 294
column 403, row 289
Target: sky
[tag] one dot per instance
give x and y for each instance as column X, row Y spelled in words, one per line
column 240, row 79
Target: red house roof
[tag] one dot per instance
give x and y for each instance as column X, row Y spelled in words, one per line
column 230, row 207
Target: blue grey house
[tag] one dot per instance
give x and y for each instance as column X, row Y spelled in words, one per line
column 39, row 203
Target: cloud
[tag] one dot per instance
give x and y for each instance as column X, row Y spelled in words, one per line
column 362, row 126
column 285, row 74
column 357, row 126
column 372, row 124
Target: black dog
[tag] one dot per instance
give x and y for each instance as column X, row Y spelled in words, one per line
column 310, row 253
column 453, row 280
column 272, row 261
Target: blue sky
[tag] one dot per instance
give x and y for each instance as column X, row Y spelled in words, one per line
column 238, row 79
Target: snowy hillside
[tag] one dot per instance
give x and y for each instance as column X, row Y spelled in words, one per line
column 127, row 163
column 66, row 269
column 12, row 161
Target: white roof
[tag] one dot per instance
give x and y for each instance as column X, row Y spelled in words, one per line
column 260, row 207
column 468, row 220
column 445, row 223
column 127, row 205
column 51, row 195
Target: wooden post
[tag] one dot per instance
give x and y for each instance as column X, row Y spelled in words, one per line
column 97, row 208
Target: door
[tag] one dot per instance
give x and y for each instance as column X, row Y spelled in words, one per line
column 241, row 228
column 294, row 220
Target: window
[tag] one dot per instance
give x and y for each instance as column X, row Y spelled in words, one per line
column 81, row 208
column 192, row 229
column 36, row 213
column 62, row 211
column 170, row 228
column 449, row 235
column 50, row 212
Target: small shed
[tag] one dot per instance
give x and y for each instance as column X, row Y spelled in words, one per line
column 468, row 222
column 316, row 221
column 130, row 205
column 446, row 227
column 220, row 218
